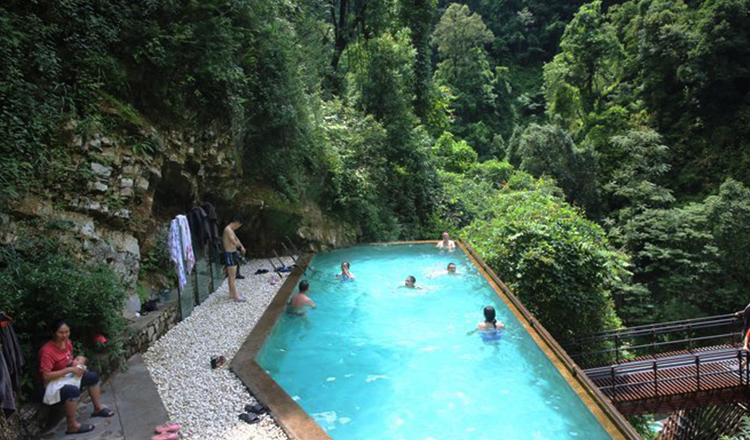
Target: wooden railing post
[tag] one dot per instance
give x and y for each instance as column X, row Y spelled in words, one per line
column 656, row 383
column 739, row 360
column 617, row 348
column 698, row 372
column 614, row 387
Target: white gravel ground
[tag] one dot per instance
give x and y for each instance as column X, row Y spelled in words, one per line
column 207, row 402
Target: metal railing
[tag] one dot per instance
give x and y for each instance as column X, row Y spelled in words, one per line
column 616, row 346
column 683, row 378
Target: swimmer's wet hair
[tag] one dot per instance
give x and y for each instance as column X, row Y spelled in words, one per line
column 489, row 315
column 238, row 219
column 411, row 278
column 303, row 286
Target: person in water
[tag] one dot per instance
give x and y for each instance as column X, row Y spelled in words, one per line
column 490, row 323
column 450, row 270
column 345, row 274
column 489, row 328
column 446, row 242
column 411, row 282
column 301, row 301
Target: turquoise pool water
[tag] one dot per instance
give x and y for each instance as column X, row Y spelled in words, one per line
column 379, row 361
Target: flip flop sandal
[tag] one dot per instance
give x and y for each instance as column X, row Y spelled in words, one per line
column 166, row 436
column 168, row 427
column 249, row 418
column 83, row 427
column 104, row 412
column 256, row 408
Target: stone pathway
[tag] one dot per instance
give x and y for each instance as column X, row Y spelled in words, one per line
column 135, row 400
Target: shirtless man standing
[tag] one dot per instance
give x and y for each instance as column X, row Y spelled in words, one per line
column 231, row 255
column 446, row 242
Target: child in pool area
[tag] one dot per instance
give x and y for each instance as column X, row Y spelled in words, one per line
column 345, row 275
column 299, row 303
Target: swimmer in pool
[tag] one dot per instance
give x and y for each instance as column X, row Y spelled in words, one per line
column 446, row 242
column 411, row 282
column 345, row 274
column 451, row 270
column 490, row 326
column 299, row 303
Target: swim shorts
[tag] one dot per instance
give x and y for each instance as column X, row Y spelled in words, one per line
column 231, row 258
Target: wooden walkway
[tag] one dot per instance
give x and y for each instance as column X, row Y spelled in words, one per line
column 678, row 380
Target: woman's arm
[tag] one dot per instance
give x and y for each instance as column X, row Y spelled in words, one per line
column 52, row 375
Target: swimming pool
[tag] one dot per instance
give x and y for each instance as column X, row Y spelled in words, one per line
column 379, row 361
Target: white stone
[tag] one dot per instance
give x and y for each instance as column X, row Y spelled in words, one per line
column 142, row 183
column 207, row 402
column 98, row 187
column 126, row 183
column 101, row 170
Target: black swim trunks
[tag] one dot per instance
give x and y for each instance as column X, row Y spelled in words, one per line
column 231, row 258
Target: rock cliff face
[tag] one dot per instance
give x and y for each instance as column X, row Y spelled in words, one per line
column 125, row 192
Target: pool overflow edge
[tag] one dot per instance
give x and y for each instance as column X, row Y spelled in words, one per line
column 298, row 425
column 295, row 422
column 611, row 419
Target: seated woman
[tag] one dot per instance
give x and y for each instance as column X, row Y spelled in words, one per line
column 345, row 275
column 64, row 376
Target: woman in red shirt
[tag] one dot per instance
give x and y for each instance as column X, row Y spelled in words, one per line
column 55, row 362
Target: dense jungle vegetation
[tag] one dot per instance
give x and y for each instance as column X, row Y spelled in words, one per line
column 595, row 154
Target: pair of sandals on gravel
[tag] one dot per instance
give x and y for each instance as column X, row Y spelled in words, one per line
column 253, row 413
column 85, row 427
column 167, row 431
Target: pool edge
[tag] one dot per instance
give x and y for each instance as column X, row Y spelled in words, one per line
column 607, row 415
column 295, row 422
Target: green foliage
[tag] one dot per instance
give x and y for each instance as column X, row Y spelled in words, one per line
column 557, row 262
column 454, row 156
column 549, row 150
column 39, row 285
column 482, row 101
column 689, row 257
column 642, row 424
column 358, row 172
column 380, row 82
column 744, row 431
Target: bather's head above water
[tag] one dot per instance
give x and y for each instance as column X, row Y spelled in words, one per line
column 489, row 314
column 410, row 282
column 304, row 286
column 451, row 268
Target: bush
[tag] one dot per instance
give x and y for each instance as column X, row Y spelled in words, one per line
column 557, row 262
column 41, row 285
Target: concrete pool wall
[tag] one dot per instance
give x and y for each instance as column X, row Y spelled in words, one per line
column 300, row 426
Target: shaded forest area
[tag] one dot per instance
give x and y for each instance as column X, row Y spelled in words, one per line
column 595, row 154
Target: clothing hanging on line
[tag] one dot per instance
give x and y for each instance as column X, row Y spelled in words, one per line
column 11, row 351
column 187, row 245
column 174, row 244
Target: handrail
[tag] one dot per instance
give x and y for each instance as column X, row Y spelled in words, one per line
column 657, row 344
column 733, row 316
column 701, row 362
column 659, row 328
column 652, row 337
